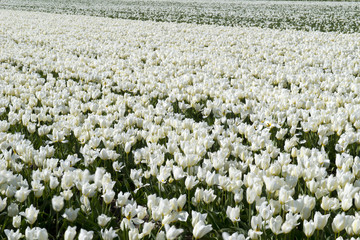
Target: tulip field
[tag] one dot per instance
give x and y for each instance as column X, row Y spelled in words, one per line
column 126, row 127
column 332, row 16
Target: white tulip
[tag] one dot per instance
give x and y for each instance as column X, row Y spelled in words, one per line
column 309, row 228
column 70, row 233
column 86, row 235
column 57, row 203
column 200, row 229
column 31, row 214
column 320, row 220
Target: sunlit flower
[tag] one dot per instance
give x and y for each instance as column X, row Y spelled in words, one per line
column 233, row 213
column 22, row 194
column 309, row 228
column 320, row 220
column 30, row 214
column 172, row 232
column 200, row 229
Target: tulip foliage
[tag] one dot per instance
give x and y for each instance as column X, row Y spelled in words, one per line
column 123, row 129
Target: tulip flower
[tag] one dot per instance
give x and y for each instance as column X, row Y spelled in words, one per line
column 200, row 229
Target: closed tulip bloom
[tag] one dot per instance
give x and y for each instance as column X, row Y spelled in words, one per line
column 346, row 203
column 356, row 226
column 233, row 213
column 30, row 233
column 211, row 178
column 284, row 195
column 275, row 225
column 127, row 148
column 357, row 200
column 70, row 233
column 13, row 209
column 309, row 228
column 256, row 222
column 36, row 234
column 37, row 188
column 320, row 220
column 10, row 191
column 54, row 182
column 250, row 195
column 181, row 202
column 266, row 212
column 2, row 203
column 238, row 195
column 200, row 229
column 57, row 203
column 331, row 183
column 108, row 196
column 67, row 180
column 199, row 192
column 42, row 234
column 339, row 223
column 16, row 221
column 86, row 235
column 349, row 219
column 329, row 203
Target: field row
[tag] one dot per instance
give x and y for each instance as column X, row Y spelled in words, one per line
column 318, row 16
column 115, row 128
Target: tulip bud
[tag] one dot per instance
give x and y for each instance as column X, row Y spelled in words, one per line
column 57, row 203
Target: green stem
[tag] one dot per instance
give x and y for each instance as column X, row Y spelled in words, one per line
column 159, row 230
column 317, row 234
column 263, row 229
column 159, row 184
column 3, row 228
column 107, row 209
column 250, row 215
column 188, row 197
column 57, row 223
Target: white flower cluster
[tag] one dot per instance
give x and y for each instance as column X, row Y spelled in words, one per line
column 342, row 16
column 126, row 129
